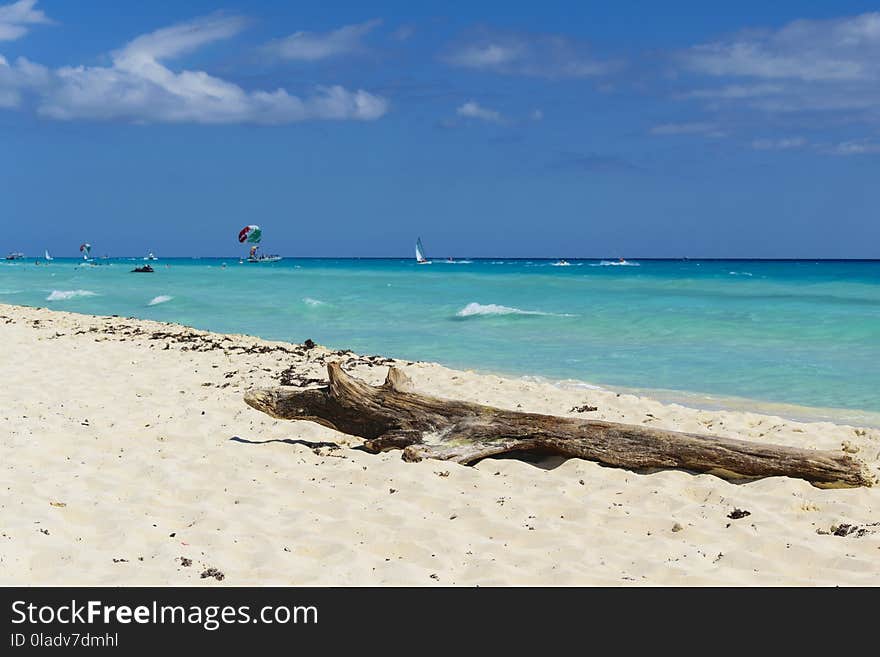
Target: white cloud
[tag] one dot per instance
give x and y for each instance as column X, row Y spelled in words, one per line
column 473, row 110
column 784, row 144
column 808, row 50
column 705, row 129
column 736, row 91
column 404, row 32
column 546, row 56
column 817, row 73
column 537, row 115
column 489, row 55
column 17, row 78
column 311, row 46
column 15, row 19
column 855, row 148
column 139, row 87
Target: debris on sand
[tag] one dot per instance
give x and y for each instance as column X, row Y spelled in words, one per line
column 213, row 572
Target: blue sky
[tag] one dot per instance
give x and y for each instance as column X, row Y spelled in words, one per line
column 492, row 128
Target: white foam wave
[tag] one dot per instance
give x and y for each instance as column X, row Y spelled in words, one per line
column 740, row 273
column 162, row 298
column 474, row 309
column 314, row 302
column 615, row 263
column 64, row 295
column 562, row 383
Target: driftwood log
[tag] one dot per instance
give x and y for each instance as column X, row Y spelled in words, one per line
column 393, row 416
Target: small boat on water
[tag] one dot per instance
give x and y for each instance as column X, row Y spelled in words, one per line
column 150, row 256
column 15, row 255
column 562, row 263
column 253, row 234
column 420, row 253
column 253, row 256
column 143, row 269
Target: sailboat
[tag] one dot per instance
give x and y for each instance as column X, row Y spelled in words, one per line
column 47, row 256
column 420, row 253
column 150, row 256
column 252, row 235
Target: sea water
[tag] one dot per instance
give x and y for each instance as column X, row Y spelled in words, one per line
column 803, row 333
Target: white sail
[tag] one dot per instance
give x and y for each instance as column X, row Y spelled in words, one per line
column 420, row 251
column 48, row 257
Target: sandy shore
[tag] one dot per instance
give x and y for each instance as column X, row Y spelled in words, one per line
column 129, row 457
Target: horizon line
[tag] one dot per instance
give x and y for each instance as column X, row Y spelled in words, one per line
column 492, row 257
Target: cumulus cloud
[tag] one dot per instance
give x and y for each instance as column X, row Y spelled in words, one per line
column 474, row 110
column 784, row 144
column 139, row 86
column 705, row 129
column 18, row 78
column 16, row 18
column 312, row 46
column 546, row 56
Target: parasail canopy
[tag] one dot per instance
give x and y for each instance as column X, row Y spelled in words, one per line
column 250, row 234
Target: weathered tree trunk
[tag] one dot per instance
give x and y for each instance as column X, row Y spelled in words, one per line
column 392, row 416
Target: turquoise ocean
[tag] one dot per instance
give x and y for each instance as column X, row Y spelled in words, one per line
column 800, row 338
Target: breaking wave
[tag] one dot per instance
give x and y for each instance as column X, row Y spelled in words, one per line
column 64, row 295
column 162, row 298
column 314, row 302
column 474, row 309
column 615, row 263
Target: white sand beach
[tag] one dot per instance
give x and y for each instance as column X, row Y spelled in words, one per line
column 129, row 458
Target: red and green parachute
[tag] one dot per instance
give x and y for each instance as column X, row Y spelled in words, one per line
column 250, row 234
